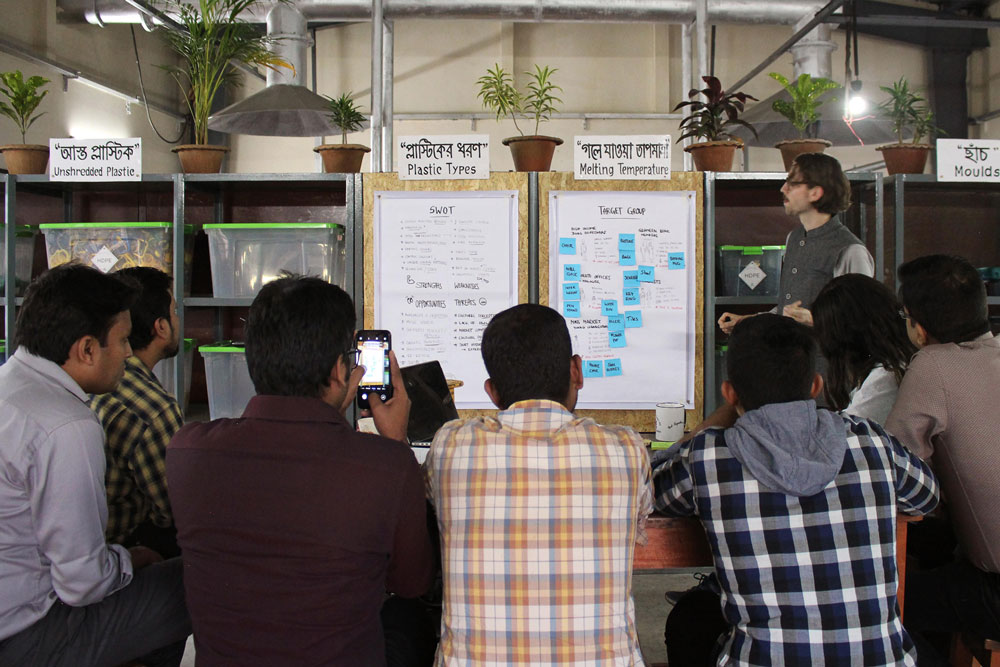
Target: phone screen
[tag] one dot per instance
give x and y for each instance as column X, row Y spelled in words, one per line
column 375, row 358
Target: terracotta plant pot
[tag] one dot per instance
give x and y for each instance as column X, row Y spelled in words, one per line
column 714, row 155
column 532, row 153
column 26, row 158
column 342, row 158
column 200, row 158
column 792, row 148
column 905, row 158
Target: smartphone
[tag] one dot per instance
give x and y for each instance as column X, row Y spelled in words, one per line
column 374, row 345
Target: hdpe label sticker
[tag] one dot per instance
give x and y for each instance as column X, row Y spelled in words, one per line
column 104, row 260
column 976, row 160
column 752, row 275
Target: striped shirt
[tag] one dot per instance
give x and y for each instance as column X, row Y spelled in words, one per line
column 139, row 418
column 539, row 512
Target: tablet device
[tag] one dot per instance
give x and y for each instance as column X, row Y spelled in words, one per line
column 431, row 404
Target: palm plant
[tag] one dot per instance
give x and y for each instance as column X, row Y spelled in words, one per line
column 802, row 111
column 908, row 111
column 712, row 118
column 24, row 99
column 498, row 94
column 345, row 114
column 214, row 38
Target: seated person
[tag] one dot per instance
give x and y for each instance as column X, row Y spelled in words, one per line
column 538, row 511
column 799, row 505
column 139, row 418
column 946, row 412
column 864, row 341
column 67, row 597
column 294, row 525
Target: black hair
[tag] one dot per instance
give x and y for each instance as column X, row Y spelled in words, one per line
column 65, row 304
column 297, row 328
column 946, row 295
column 527, row 352
column 857, row 324
column 152, row 303
column 822, row 170
column 771, row 359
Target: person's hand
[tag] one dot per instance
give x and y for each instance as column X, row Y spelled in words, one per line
column 392, row 416
column 798, row 313
column 352, row 387
column 143, row 556
column 730, row 320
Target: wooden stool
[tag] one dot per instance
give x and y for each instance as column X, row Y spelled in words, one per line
column 961, row 656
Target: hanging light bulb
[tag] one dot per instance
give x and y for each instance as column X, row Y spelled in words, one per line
column 856, row 103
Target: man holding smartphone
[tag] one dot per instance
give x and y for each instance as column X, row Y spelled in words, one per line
column 293, row 525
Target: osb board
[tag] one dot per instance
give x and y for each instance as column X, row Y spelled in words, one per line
column 390, row 182
column 641, row 420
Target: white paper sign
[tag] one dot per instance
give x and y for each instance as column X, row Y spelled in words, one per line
column 626, row 157
column 439, row 157
column 968, row 160
column 445, row 264
column 95, row 159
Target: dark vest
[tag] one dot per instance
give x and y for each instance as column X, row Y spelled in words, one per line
column 809, row 260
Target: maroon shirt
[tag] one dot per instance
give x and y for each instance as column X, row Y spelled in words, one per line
column 292, row 527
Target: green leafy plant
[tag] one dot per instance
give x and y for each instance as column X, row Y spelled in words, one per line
column 213, row 39
column 908, row 110
column 539, row 102
column 712, row 118
column 802, row 110
column 24, row 99
column 345, row 114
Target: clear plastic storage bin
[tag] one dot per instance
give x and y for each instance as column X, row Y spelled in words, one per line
column 728, row 269
column 164, row 372
column 24, row 253
column 228, row 378
column 246, row 256
column 772, row 267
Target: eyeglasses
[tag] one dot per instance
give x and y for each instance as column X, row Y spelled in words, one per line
column 904, row 315
column 355, row 356
column 790, row 183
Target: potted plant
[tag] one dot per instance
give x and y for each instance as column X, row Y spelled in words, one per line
column 496, row 90
column 213, row 39
column 710, row 119
column 909, row 115
column 802, row 113
column 24, row 99
column 343, row 158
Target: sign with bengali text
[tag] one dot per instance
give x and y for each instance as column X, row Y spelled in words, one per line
column 440, row 157
column 976, row 160
column 624, row 157
column 95, row 159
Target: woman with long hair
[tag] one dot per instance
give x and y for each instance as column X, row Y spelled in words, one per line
column 861, row 332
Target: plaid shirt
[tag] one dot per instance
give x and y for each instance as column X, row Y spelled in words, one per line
column 539, row 513
column 805, row 580
column 139, row 419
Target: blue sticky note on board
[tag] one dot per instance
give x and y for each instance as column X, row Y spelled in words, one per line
column 647, row 274
column 571, row 272
column 567, row 246
column 612, row 367
column 616, row 339
column 633, row 319
column 630, row 296
column 609, row 307
column 631, row 278
column 626, row 241
column 571, row 291
column 593, row 369
column 675, row 260
column 571, row 309
column 616, row 323
column 626, row 257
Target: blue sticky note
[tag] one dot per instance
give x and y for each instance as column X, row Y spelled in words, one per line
column 626, row 257
column 571, row 309
column 616, row 339
column 593, row 369
column 616, row 323
column 675, row 260
column 571, row 291
column 630, row 296
column 612, row 367
column 647, row 274
column 567, row 246
column 633, row 319
column 626, row 241
column 609, row 307
column 571, row 272
column 631, row 278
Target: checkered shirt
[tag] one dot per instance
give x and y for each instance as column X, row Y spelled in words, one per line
column 139, row 419
column 805, row 580
column 539, row 514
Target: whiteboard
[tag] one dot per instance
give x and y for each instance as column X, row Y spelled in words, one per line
column 622, row 271
column 444, row 264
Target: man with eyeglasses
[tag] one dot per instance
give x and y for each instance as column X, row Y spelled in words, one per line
column 294, row 526
column 821, row 248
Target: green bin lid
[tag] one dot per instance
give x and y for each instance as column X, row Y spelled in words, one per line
column 189, row 343
column 772, row 247
column 226, row 347
column 721, row 347
column 273, row 225
column 23, row 231
column 731, row 247
column 753, row 250
column 104, row 225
